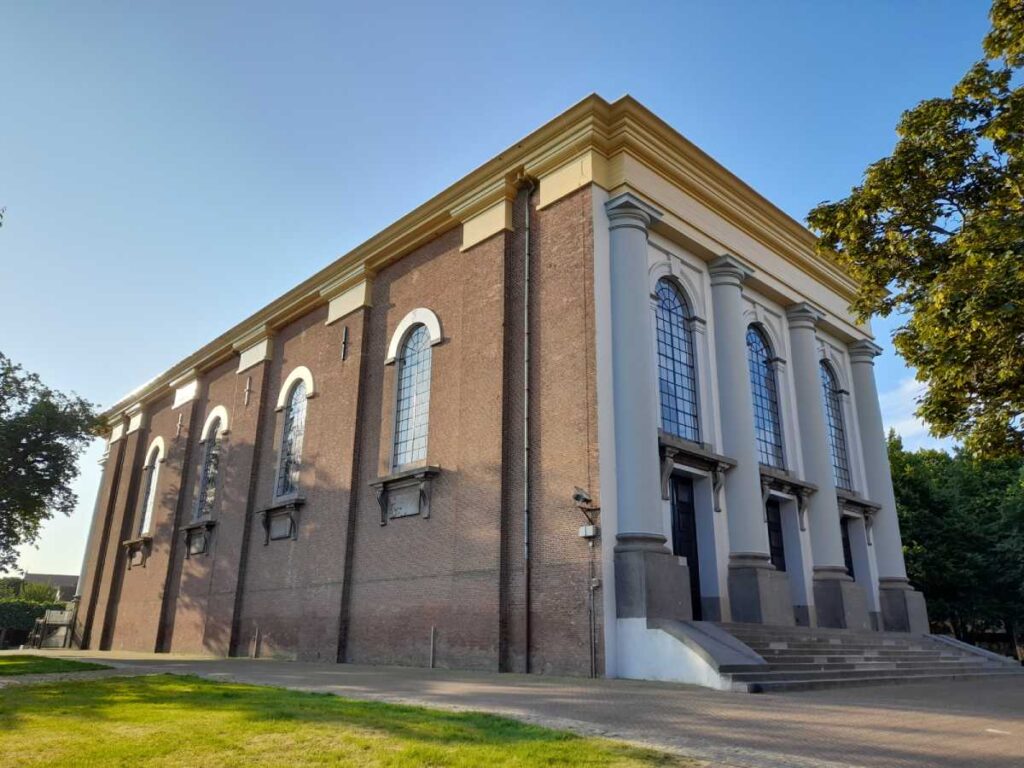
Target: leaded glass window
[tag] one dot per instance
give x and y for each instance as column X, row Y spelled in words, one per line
column 208, row 474
column 677, row 372
column 149, row 484
column 836, row 428
column 291, row 441
column 413, row 400
column 765, row 390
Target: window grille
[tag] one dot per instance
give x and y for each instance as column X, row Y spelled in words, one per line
column 148, row 500
column 209, row 472
column 765, row 391
column 836, row 427
column 413, row 400
column 291, row 441
column 677, row 371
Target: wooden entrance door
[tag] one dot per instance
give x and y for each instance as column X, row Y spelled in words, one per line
column 684, row 535
column 775, row 544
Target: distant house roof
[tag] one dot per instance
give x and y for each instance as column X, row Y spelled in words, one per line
column 65, row 585
column 53, row 579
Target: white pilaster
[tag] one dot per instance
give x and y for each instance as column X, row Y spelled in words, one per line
column 757, row 592
column 823, row 508
column 886, row 527
column 902, row 608
column 748, row 536
column 634, row 380
column 649, row 582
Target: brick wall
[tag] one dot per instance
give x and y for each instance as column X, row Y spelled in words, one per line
column 563, row 441
column 415, row 573
column 141, row 593
column 348, row 587
column 293, row 589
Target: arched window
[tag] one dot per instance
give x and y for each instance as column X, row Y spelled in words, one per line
column 210, row 470
column 765, row 391
column 412, row 405
column 677, row 372
column 834, row 422
column 149, row 478
column 291, row 441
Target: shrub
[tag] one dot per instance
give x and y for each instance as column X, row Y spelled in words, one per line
column 21, row 614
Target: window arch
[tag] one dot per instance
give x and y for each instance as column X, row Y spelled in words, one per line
column 294, row 429
column 300, row 373
column 677, row 369
column 213, row 430
column 412, row 402
column 836, row 428
column 418, row 316
column 765, row 392
column 150, row 472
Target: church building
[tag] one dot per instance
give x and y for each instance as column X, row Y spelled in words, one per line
column 586, row 411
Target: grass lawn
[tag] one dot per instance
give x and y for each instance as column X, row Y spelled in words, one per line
column 40, row 665
column 167, row 720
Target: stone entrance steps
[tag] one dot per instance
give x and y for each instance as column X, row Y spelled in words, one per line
column 802, row 658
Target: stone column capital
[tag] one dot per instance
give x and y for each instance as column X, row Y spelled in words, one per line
column 728, row 270
column 628, row 210
column 864, row 351
column 804, row 316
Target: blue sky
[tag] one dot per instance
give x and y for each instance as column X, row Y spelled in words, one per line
column 169, row 168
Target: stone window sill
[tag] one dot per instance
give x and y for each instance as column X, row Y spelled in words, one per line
column 197, row 536
column 281, row 519
column 138, row 550
column 405, row 493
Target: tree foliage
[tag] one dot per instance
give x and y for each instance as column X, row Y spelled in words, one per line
column 962, row 522
column 38, row 593
column 10, row 586
column 935, row 233
column 42, row 434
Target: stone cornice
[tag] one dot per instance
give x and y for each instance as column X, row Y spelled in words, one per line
column 599, row 136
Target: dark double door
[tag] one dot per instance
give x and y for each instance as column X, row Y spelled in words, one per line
column 684, row 536
column 776, row 546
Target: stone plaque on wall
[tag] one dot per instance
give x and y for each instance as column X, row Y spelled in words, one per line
column 404, row 502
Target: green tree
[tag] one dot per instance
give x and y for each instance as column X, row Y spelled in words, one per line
column 10, row 586
column 38, row 593
column 935, row 233
column 42, row 434
column 962, row 522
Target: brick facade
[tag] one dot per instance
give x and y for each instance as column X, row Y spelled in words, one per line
column 348, row 588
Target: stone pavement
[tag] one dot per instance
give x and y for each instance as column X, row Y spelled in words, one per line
column 958, row 724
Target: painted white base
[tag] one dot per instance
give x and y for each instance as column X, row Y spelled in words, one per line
column 653, row 654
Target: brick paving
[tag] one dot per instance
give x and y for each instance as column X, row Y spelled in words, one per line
column 957, row 724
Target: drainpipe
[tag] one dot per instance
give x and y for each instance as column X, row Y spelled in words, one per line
column 529, row 186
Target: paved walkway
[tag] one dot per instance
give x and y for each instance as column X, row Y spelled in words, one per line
column 963, row 724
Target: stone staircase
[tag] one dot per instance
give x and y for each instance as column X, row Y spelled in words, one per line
column 802, row 658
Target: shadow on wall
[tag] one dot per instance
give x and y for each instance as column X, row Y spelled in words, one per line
column 407, row 577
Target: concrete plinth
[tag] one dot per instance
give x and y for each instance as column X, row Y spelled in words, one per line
column 650, row 582
column 903, row 608
column 839, row 601
column 759, row 594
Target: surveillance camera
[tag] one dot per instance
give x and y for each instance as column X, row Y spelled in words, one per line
column 581, row 497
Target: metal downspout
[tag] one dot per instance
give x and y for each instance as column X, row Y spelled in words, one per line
column 529, row 186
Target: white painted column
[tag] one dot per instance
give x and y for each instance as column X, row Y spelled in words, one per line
column 633, row 374
column 649, row 581
column 748, row 535
column 822, row 506
column 885, row 526
column 902, row 608
column 757, row 592
column 838, row 602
